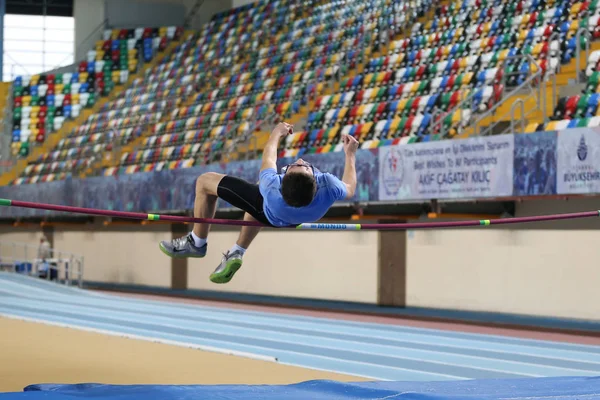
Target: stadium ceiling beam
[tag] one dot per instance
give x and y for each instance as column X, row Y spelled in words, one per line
column 40, row 7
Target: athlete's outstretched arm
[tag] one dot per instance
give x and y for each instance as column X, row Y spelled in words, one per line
column 269, row 157
column 349, row 178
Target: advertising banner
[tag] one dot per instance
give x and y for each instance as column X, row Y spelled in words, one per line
column 477, row 167
column 171, row 190
column 578, row 161
column 535, row 164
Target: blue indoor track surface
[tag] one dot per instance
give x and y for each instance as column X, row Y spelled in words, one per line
column 407, row 362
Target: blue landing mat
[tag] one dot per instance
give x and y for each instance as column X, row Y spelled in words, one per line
column 563, row 388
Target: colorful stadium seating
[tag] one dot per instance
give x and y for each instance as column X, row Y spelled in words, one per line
column 275, row 78
column 469, row 50
column 280, row 58
column 43, row 102
column 87, row 142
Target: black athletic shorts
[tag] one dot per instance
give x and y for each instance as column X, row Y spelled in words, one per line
column 243, row 195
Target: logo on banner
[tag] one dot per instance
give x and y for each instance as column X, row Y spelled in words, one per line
column 581, row 175
column 582, row 149
column 393, row 171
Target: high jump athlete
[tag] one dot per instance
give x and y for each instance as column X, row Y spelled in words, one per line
column 299, row 194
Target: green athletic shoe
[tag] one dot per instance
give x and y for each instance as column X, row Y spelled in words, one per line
column 230, row 263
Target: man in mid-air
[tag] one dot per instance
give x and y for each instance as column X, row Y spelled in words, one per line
column 300, row 194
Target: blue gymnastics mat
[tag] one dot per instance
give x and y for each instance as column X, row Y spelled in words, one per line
column 562, row 388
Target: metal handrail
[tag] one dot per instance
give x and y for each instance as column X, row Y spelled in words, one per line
column 117, row 146
column 555, row 37
column 588, row 37
column 187, row 23
column 272, row 117
column 467, row 103
column 248, row 136
column 65, row 261
column 521, row 103
column 533, row 78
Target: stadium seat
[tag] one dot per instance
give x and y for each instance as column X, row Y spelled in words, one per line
column 43, row 102
column 255, row 61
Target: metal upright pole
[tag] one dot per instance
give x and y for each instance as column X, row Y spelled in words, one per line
column 2, row 12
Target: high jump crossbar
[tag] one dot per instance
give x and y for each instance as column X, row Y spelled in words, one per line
column 305, row 226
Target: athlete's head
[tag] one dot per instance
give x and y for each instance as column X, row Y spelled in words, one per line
column 298, row 186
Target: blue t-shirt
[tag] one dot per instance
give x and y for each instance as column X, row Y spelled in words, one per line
column 279, row 213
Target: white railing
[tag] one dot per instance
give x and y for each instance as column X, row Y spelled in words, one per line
column 61, row 266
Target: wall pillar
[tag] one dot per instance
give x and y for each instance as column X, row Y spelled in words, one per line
column 179, row 266
column 391, row 290
column 2, row 12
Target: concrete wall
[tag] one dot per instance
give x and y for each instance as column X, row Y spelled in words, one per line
column 240, row 3
column 325, row 265
column 19, row 236
column 208, row 9
column 89, row 16
column 135, row 13
column 550, row 269
column 321, row 265
column 119, row 257
column 539, row 272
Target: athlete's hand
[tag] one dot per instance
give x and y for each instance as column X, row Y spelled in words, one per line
column 350, row 144
column 282, row 129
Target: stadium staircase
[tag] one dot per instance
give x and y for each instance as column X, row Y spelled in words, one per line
column 299, row 119
column 522, row 113
column 259, row 131
column 478, row 67
column 113, row 158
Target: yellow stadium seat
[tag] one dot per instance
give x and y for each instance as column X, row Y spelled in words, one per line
column 446, row 50
column 366, row 128
column 530, row 128
column 550, row 126
column 574, row 27
column 402, row 105
column 342, row 113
